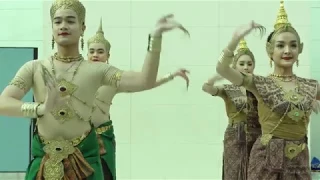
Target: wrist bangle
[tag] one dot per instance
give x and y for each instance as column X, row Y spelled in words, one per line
column 228, row 52
column 154, row 44
column 30, row 110
column 39, row 116
column 169, row 76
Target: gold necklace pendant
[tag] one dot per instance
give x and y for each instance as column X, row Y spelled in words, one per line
column 66, row 88
column 295, row 113
column 293, row 97
column 63, row 113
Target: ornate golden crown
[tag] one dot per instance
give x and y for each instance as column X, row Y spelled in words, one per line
column 242, row 46
column 282, row 18
column 74, row 5
column 99, row 38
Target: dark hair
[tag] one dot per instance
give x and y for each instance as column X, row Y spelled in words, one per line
column 270, row 36
column 269, row 39
column 241, row 53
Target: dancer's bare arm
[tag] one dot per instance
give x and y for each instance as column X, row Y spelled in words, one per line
column 223, row 66
column 145, row 79
column 10, row 99
column 210, row 87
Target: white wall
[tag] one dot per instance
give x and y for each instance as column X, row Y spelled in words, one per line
column 21, row 27
column 166, row 133
column 22, row 24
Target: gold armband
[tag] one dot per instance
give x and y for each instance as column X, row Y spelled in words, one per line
column 154, row 44
column 19, row 82
column 226, row 57
column 30, row 110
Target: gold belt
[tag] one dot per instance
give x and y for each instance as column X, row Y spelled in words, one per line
column 103, row 129
column 292, row 150
column 57, row 150
column 75, row 141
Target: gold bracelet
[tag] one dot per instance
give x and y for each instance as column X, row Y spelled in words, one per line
column 228, row 52
column 30, row 109
column 169, row 76
column 225, row 58
column 154, row 44
column 39, row 116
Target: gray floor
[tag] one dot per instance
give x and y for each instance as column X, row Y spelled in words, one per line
column 12, row 176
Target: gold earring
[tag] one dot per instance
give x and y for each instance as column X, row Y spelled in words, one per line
column 52, row 42
column 270, row 63
column 297, row 63
column 82, row 43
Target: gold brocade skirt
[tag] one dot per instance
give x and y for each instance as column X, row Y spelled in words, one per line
column 74, row 159
column 279, row 159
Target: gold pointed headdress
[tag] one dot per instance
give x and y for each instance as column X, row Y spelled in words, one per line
column 242, row 50
column 243, row 47
column 282, row 25
column 99, row 38
column 74, row 5
column 282, row 18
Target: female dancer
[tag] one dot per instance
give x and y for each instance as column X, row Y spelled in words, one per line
column 235, row 156
column 99, row 51
column 285, row 102
column 65, row 145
